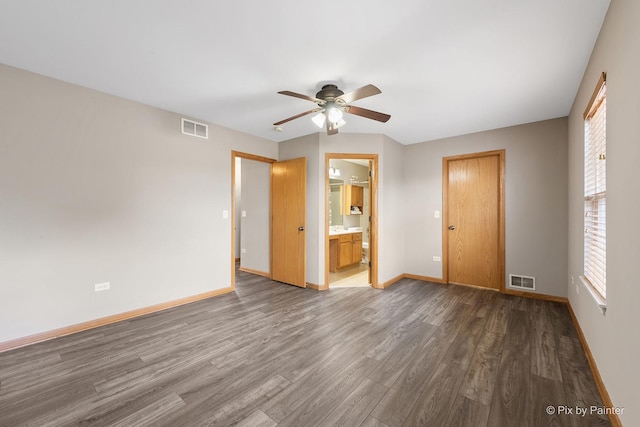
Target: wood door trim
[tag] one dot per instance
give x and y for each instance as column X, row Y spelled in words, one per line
column 501, row 215
column 255, row 157
column 248, row 156
column 373, row 201
column 256, row 272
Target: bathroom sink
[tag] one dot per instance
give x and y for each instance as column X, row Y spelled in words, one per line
column 336, row 232
column 347, row 231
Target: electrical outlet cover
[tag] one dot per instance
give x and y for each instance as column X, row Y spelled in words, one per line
column 102, row 286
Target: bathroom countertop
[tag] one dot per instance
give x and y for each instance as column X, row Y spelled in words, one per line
column 339, row 232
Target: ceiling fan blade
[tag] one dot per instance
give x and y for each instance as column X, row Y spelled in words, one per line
column 369, row 114
column 331, row 129
column 363, row 92
column 301, row 96
column 296, row 116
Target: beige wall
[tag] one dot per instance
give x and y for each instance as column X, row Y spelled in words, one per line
column 392, row 210
column 314, row 147
column 613, row 338
column 535, row 200
column 307, row 146
column 389, row 172
column 94, row 188
column 255, row 226
column 238, row 202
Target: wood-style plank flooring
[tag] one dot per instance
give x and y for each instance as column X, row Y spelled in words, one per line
column 415, row 354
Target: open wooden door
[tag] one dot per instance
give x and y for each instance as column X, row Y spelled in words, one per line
column 474, row 219
column 288, row 238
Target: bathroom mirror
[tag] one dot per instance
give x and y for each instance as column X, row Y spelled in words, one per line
column 335, row 201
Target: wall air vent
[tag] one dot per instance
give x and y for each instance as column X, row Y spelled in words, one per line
column 189, row 127
column 522, row 282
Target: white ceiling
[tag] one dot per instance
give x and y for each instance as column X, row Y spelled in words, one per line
column 445, row 68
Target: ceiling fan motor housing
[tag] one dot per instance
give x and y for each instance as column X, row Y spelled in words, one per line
column 329, row 93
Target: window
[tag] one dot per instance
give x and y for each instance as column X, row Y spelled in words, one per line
column 595, row 189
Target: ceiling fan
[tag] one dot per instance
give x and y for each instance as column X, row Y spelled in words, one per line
column 332, row 102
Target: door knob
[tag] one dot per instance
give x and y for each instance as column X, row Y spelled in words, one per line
column 300, row 228
column 452, row 227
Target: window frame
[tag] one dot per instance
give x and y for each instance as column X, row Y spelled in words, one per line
column 594, row 208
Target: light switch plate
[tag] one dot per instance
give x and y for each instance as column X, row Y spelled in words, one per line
column 102, row 286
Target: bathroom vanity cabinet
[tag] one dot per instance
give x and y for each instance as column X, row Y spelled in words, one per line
column 344, row 250
column 353, row 198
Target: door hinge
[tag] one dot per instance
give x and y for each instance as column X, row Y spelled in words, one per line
column 369, row 264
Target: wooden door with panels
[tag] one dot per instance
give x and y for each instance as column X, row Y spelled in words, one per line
column 288, row 207
column 473, row 220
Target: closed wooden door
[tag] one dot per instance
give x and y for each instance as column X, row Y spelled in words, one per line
column 474, row 220
column 288, row 202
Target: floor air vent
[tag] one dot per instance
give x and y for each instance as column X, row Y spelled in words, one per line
column 522, row 282
column 189, row 127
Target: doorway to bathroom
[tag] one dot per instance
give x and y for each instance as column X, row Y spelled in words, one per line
column 351, row 220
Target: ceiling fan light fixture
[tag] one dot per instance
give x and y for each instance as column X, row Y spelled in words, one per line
column 332, row 103
column 334, row 115
column 319, row 120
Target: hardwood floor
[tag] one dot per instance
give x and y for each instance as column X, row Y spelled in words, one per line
column 269, row 354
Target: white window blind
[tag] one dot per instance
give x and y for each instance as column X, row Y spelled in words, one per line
column 595, row 189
